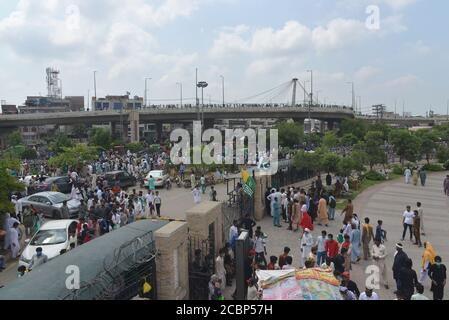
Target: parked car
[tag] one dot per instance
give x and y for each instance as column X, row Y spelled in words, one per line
column 52, row 237
column 50, row 203
column 124, row 179
column 160, row 177
column 63, row 184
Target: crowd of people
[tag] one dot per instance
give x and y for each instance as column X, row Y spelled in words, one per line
column 356, row 240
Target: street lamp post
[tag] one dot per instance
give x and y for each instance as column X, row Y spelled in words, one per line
column 95, row 90
column 317, row 95
column 223, row 89
column 305, row 92
column 311, row 97
column 180, row 85
column 353, row 94
column 202, row 85
column 146, row 92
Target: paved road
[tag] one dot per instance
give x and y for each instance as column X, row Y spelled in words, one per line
column 386, row 202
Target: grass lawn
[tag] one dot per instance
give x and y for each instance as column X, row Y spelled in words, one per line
column 341, row 202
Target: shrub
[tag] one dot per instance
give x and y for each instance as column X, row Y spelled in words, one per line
column 446, row 165
column 134, row 147
column 397, row 169
column 374, row 176
column 433, row 167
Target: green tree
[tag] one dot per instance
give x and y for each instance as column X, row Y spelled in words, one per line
column 329, row 162
column 14, row 139
column 101, row 137
column 406, row 145
column 330, row 140
column 373, row 146
column 74, row 156
column 360, row 158
column 60, row 142
column 313, row 138
column 307, row 160
column 290, row 134
column 79, row 130
column 354, row 126
column 29, row 154
column 428, row 143
column 345, row 166
column 349, row 139
column 8, row 184
column 382, row 127
column 442, row 154
column 134, row 147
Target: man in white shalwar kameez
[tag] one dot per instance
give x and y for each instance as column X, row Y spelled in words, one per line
column 220, row 270
column 196, row 195
column 14, row 239
column 9, row 222
column 306, row 246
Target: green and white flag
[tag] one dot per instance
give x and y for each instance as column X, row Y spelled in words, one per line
column 249, row 185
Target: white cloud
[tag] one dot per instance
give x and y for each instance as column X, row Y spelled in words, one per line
column 338, row 33
column 366, row 72
column 294, row 37
column 81, row 32
column 403, row 81
column 264, row 66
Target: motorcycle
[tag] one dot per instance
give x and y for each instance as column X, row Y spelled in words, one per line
column 168, row 184
column 178, row 182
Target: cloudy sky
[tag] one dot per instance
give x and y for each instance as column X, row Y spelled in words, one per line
column 255, row 44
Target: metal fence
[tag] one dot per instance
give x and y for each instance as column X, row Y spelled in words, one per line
column 124, row 273
column 289, row 176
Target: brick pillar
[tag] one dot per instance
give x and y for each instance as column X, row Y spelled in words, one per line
column 259, row 196
column 200, row 217
column 172, row 265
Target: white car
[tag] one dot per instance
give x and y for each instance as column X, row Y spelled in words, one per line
column 52, row 237
column 160, row 177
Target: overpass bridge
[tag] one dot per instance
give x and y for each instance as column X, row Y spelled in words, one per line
column 160, row 116
column 404, row 121
column 175, row 115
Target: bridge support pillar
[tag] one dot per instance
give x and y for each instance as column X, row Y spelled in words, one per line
column 330, row 125
column 134, row 124
column 299, row 120
column 124, row 133
column 208, row 124
column 113, row 129
column 158, row 131
column 322, row 126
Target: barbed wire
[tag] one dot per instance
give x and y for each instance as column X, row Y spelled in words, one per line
column 122, row 271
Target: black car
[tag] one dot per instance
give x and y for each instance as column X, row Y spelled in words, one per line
column 125, row 180
column 63, row 184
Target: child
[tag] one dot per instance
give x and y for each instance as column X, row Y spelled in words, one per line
column 340, row 237
column 381, row 234
column 273, row 263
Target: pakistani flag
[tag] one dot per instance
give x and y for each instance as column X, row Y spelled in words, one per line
column 248, row 183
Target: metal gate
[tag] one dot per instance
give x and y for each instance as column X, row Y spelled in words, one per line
column 201, row 264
